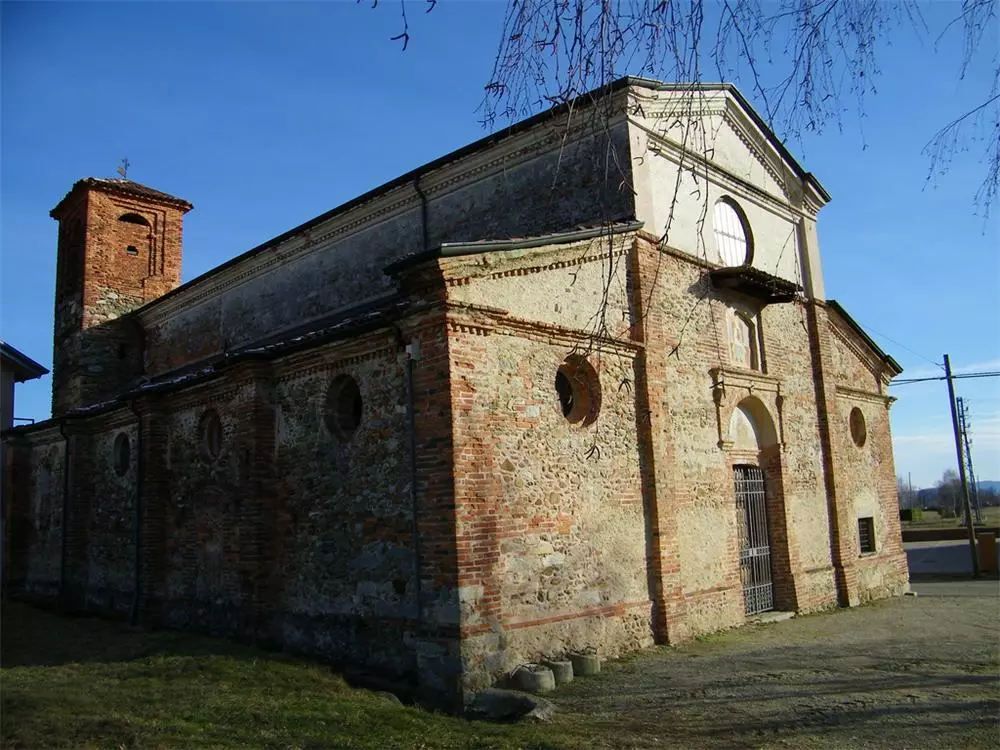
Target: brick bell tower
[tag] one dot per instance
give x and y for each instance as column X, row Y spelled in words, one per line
column 119, row 248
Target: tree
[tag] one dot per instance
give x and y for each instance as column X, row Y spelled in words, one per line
column 799, row 59
column 949, row 489
column 907, row 496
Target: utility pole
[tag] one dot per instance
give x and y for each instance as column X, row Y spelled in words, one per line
column 961, row 468
column 963, row 420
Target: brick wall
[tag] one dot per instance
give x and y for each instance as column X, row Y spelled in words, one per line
column 105, row 514
column 865, row 473
column 683, row 459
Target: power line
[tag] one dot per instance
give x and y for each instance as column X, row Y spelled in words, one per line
column 903, row 346
column 990, row 374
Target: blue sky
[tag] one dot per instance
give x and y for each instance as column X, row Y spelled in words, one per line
column 266, row 114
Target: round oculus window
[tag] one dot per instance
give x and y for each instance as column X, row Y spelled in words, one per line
column 210, row 434
column 578, row 388
column 344, row 407
column 859, row 431
column 122, row 454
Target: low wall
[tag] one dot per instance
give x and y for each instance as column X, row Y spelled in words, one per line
column 940, row 535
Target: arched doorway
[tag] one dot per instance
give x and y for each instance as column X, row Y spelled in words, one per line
column 752, row 434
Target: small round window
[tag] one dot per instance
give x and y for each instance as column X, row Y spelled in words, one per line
column 122, row 454
column 732, row 234
column 579, row 390
column 343, row 407
column 859, row 431
column 210, row 433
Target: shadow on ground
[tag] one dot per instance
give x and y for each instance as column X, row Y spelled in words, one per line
column 35, row 637
column 910, row 672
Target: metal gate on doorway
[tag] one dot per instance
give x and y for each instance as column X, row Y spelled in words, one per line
column 755, row 542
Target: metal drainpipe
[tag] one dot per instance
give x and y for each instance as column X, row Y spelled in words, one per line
column 64, row 542
column 412, row 350
column 137, row 532
column 412, row 353
column 424, row 232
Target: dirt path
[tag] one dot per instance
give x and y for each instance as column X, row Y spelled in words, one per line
column 918, row 672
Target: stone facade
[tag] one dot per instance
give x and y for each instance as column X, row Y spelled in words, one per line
column 467, row 420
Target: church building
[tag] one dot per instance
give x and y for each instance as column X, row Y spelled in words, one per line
column 577, row 385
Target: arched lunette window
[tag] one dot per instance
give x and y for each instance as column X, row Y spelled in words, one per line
column 732, row 233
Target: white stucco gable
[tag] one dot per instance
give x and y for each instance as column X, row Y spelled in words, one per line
column 693, row 147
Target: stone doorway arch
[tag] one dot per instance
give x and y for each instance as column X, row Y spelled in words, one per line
column 753, row 448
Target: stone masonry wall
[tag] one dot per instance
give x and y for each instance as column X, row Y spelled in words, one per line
column 787, row 354
column 202, row 583
column 36, row 521
column 691, row 330
column 349, row 589
column 691, row 336
column 550, row 523
column 109, row 524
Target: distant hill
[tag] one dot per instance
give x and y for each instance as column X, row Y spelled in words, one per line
column 984, row 484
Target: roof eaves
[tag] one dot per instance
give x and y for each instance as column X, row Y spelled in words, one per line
column 458, row 249
column 25, row 368
column 838, row 308
column 122, row 187
column 752, row 113
column 517, row 128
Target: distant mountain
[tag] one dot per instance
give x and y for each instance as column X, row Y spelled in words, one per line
column 984, row 484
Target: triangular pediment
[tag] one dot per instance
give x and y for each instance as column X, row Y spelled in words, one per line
column 714, row 124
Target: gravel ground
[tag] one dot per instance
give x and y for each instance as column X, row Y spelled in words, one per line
column 915, row 672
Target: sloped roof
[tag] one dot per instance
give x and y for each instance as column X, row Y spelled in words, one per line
column 23, row 366
column 123, row 187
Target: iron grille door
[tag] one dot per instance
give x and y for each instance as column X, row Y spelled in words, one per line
column 755, row 545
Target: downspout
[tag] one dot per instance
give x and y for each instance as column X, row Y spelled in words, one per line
column 424, row 232
column 412, row 351
column 140, row 465
column 64, row 542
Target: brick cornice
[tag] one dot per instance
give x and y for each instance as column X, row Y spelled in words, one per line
column 482, row 320
column 857, row 394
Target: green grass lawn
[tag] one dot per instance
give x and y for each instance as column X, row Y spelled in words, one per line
column 932, row 520
column 89, row 683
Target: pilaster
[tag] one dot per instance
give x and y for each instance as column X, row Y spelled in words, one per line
column 261, row 535
column 838, row 514
column 153, row 500
column 656, row 447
